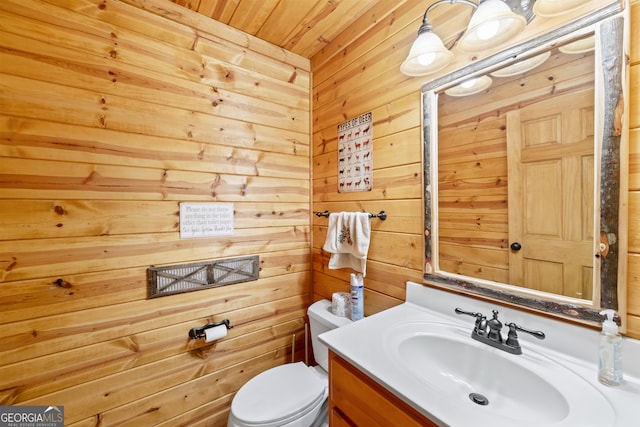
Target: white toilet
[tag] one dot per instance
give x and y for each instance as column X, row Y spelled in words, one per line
column 291, row 395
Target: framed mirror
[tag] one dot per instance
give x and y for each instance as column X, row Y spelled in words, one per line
column 524, row 153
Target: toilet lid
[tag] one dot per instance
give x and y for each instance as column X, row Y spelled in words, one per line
column 277, row 394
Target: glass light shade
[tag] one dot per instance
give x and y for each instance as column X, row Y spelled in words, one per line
column 470, row 87
column 427, row 55
column 522, row 66
column 549, row 8
column 492, row 24
column 579, row 46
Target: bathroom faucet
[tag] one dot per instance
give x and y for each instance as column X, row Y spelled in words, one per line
column 489, row 332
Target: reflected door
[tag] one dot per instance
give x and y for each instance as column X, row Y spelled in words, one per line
column 550, row 148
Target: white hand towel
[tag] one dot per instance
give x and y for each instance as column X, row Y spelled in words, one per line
column 348, row 240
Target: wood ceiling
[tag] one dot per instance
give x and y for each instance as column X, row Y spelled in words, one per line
column 300, row 26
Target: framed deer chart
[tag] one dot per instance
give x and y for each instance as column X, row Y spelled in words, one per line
column 355, row 154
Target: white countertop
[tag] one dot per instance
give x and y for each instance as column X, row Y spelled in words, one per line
column 365, row 345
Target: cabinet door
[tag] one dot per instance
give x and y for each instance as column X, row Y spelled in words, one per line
column 364, row 402
column 336, row 419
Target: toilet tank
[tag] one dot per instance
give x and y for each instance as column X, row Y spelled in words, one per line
column 322, row 320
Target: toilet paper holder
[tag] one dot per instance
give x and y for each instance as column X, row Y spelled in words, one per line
column 196, row 333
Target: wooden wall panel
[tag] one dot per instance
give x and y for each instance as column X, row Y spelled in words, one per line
column 361, row 78
column 360, row 73
column 111, row 114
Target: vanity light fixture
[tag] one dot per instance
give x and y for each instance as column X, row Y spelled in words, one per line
column 492, row 23
column 427, row 54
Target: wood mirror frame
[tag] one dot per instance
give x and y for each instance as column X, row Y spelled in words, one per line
column 611, row 134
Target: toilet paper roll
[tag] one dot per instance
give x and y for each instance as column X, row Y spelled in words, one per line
column 215, row 333
column 341, row 304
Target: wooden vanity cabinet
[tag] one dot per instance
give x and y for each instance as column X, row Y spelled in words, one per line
column 357, row 400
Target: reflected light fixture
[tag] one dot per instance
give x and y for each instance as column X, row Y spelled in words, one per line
column 470, row 87
column 522, row 66
column 579, row 46
column 492, row 23
column 550, row 8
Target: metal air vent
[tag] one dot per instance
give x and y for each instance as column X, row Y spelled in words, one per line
column 176, row 279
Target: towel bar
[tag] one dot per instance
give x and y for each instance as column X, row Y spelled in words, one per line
column 382, row 215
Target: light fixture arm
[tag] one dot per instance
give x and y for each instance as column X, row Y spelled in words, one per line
column 441, row 2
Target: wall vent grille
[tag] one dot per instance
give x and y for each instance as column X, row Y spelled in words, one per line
column 176, row 279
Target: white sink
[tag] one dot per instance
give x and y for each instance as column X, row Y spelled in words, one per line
column 423, row 352
column 527, row 389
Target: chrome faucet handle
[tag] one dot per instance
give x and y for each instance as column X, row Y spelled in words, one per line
column 468, row 313
column 513, row 327
column 481, row 320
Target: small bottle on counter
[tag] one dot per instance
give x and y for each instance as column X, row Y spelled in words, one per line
column 610, row 364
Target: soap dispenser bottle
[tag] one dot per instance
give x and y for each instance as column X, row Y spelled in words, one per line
column 610, row 364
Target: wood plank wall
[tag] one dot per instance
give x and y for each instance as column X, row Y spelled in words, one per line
column 358, row 73
column 111, row 113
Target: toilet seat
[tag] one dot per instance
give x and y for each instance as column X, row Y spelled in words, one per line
column 278, row 396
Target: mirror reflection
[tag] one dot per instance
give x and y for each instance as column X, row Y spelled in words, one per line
column 516, row 173
column 522, row 155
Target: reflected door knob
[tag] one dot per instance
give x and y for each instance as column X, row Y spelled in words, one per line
column 516, row 246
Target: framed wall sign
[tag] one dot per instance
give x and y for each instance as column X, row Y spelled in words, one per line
column 355, row 154
column 205, row 219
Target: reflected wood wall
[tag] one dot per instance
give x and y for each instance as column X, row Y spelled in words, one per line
column 472, row 163
column 111, row 113
column 358, row 73
column 473, row 226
